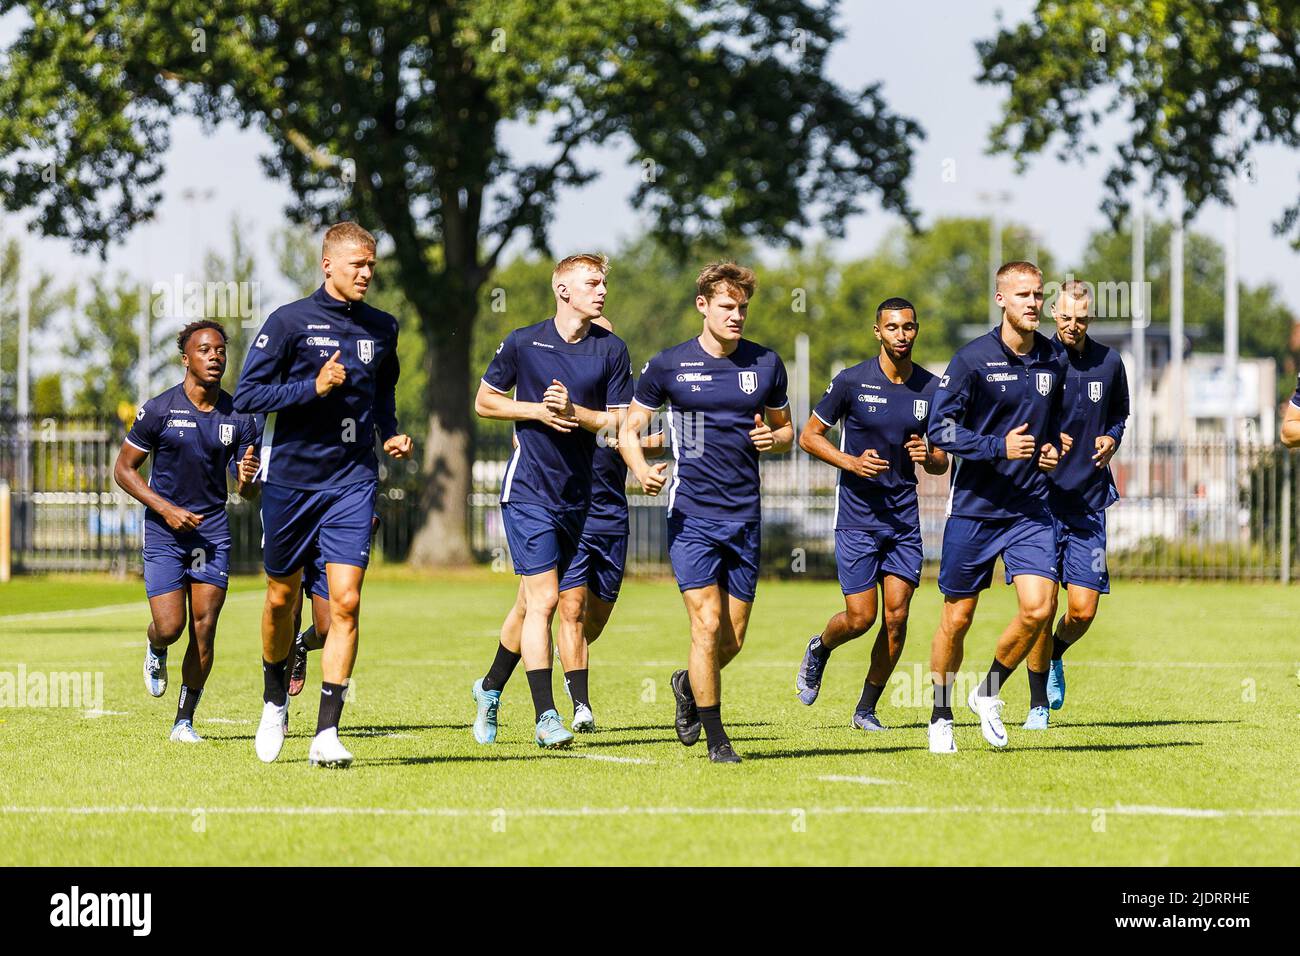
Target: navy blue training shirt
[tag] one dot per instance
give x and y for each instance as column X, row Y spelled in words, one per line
column 1095, row 404
column 712, row 403
column 551, row 468
column 608, row 512
column 1295, row 399
column 310, row 442
column 987, row 391
column 192, row 451
column 883, row 415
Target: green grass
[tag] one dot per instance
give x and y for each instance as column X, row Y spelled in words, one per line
column 1183, row 696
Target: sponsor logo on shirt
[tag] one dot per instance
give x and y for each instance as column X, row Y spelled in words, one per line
column 261, row 342
column 181, row 423
column 227, row 433
column 1044, row 383
column 317, row 328
column 1094, row 391
column 543, row 345
column 366, row 350
column 919, row 407
column 749, row 382
column 501, row 346
column 1003, row 377
column 943, row 382
column 874, row 399
column 323, row 340
column 694, row 377
column 995, row 364
column 688, row 364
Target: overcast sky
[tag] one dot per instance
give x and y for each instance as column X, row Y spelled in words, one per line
column 923, row 54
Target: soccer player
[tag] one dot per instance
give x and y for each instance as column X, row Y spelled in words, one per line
column 998, row 409
column 1291, row 420
column 727, row 405
column 884, row 403
column 324, row 370
column 1080, row 489
column 571, row 379
column 597, row 569
column 194, row 435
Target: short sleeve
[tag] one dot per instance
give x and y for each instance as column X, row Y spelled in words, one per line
column 776, row 395
column 146, row 428
column 618, row 384
column 651, row 390
column 830, row 407
column 504, row 368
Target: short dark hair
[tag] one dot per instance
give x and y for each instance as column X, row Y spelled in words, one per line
column 726, row 276
column 895, row 304
column 183, row 336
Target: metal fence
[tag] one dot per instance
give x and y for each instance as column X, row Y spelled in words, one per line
column 1198, row 510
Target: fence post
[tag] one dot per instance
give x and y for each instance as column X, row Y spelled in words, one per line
column 6, row 526
column 1286, row 516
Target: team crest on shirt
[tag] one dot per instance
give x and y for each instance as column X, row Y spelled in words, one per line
column 1094, row 391
column 919, row 407
column 366, row 350
column 227, row 433
column 1044, row 383
column 749, row 382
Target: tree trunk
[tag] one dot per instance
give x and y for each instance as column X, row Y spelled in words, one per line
column 443, row 537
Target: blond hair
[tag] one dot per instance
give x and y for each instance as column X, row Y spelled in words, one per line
column 346, row 234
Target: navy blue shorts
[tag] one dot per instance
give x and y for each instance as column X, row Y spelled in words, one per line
column 332, row 522
column 707, row 551
column 542, row 538
column 314, row 579
column 971, row 546
column 1081, row 551
column 863, row 557
column 169, row 563
column 598, row 565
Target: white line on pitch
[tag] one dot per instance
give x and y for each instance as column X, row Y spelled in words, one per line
column 609, row 758
column 628, row 811
column 100, row 609
column 836, row 778
column 104, row 713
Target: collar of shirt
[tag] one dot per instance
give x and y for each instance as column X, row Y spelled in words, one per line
column 326, row 301
column 1032, row 355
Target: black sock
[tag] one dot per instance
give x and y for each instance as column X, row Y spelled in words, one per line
column 503, row 665
column 539, row 682
column 576, row 681
column 331, row 705
column 870, row 695
column 1037, row 688
column 711, row 718
column 1059, row 647
column 310, row 639
column 942, row 703
column 994, row 679
column 275, row 682
column 819, row 650
column 186, row 703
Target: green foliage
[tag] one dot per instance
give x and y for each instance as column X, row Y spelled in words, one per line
column 1178, row 72
column 48, row 299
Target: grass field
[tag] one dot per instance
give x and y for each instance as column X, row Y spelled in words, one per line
column 1177, row 744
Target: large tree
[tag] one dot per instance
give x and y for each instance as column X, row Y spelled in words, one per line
column 390, row 112
column 1198, row 83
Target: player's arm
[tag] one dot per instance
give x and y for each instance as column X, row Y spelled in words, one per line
column 946, row 431
column 126, row 472
column 774, row 432
column 634, row 427
column 490, row 403
column 1049, row 455
column 1291, row 426
column 557, row 401
column 260, row 387
column 933, row 460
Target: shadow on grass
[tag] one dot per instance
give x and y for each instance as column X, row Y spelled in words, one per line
column 1142, row 723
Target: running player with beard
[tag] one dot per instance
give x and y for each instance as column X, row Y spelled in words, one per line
column 727, row 404
column 998, row 410
column 571, row 379
column 1096, row 406
column 884, row 404
column 324, row 370
column 194, row 435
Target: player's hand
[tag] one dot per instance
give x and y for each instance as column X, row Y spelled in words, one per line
column 557, row 399
column 399, row 446
column 331, row 373
column 653, row 478
column 1048, row 458
column 916, row 449
column 761, row 434
column 553, row 419
column 1066, row 444
column 1106, row 447
column 248, row 465
column 179, row 519
column 869, row 464
column 1019, row 445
